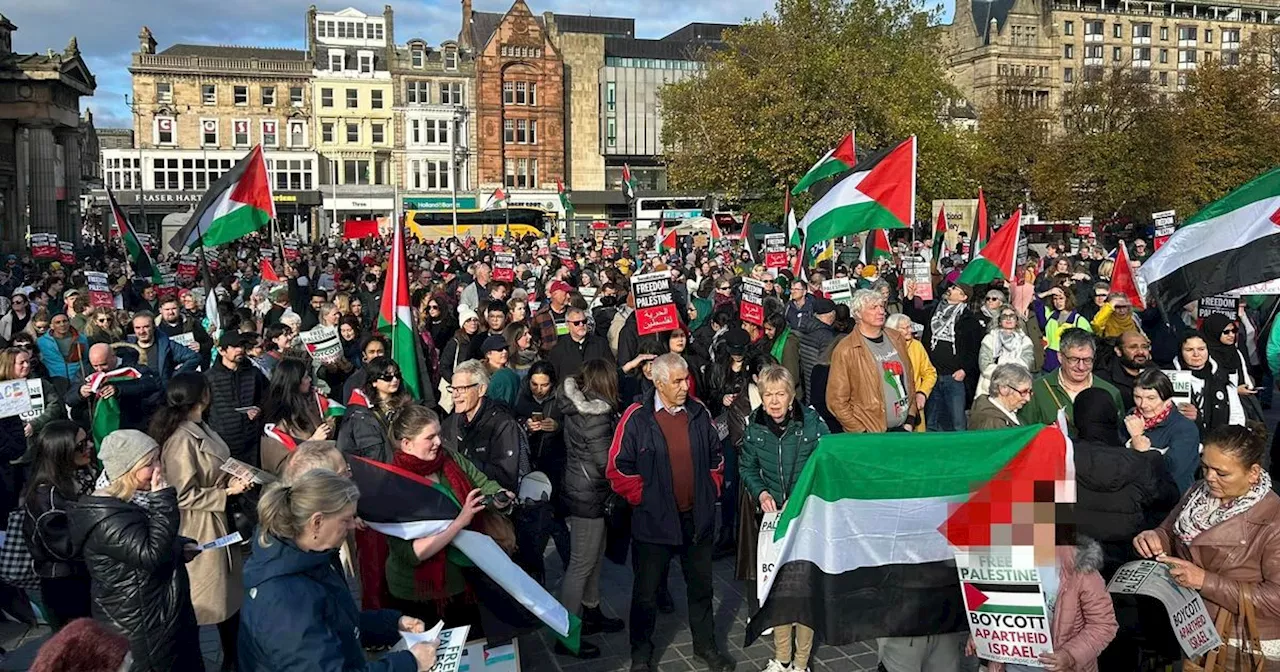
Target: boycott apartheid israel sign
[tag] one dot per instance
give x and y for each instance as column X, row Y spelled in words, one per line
column 1005, row 608
column 751, row 308
column 1191, row 623
column 655, row 305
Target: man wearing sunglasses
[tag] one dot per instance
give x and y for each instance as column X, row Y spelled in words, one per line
column 569, row 353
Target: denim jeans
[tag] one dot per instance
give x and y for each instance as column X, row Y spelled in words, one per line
column 944, row 412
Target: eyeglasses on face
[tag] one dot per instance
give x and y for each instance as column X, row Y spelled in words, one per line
column 455, row 389
column 1078, row 361
column 1229, row 330
column 994, row 299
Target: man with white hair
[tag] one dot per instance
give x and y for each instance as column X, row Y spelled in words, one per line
column 871, row 387
column 666, row 461
column 476, row 294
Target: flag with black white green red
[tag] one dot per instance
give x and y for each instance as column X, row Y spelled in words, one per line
column 395, row 319
column 498, row 199
column 941, row 248
column 1004, row 598
column 565, row 203
column 981, row 231
column 1234, row 242
column 143, row 266
column 869, row 535
column 328, row 407
column 238, row 204
column 106, row 410
column 839, row 159
column 628, row 183
column 879, row 194
column 999, row 259
column 876, row 247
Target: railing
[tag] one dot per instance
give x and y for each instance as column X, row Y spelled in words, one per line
column 222, row 64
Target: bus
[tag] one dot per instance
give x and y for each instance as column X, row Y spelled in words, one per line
column 513, row 222
column 651, row 210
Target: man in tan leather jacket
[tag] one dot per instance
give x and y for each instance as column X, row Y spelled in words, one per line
column 871, row 386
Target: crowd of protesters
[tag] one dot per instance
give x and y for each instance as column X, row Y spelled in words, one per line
column 655, row 446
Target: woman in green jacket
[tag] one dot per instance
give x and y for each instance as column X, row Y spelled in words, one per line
column 780, row 437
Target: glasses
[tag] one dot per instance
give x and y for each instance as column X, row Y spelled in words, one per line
column 1099, row 296
column 455, row 389
column 1078, row 361
column 993, row 298
column 577, row 323
column 389, row 376
column 1229, row 330
column 724, row 288
column 433, row 307
column 1021, row 392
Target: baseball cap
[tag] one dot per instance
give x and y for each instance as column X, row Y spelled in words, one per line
column 70, row 293
column 495, row 342
column 822, row 306
column 560, row 286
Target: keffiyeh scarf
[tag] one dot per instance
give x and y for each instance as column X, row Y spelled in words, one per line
column 943, row 323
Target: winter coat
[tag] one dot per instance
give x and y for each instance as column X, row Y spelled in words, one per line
column 1047, row 396
column 192, row 459
column 245, row 386
column 854, row 393
column 588, row 431
column 138, row 399
column 568, row 356
column 1084, row 620
column 54, row 408
column 772, row 464
column 1023, row 353
column 299, row 616
column 815, row 336
column 639, row 469
column 1178, row 440
column 1121, row 492
column 453, row 354
column 1115, row 373
column 71, row 368
column 170, row 359
column 546, row 449
column 48, row 535
column 986, row 415
column 492, row 440
column 140, row 586
column 364, row 434
column 1213, row 400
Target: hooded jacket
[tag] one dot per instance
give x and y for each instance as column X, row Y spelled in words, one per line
column 588, row 431
column 140, row 585
column 298, row 616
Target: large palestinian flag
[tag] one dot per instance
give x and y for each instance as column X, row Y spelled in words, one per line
column 143, row 266
column 981, row 232
column 869, row 535
column 238, row 204
column 395, row 319
column 999, row 259
column 1232, row 243
column 879, row 194
column 840, row 159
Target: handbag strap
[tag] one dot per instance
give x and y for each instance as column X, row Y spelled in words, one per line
column 1250, row 637
column 1224, row 625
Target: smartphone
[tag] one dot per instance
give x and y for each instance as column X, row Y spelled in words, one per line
column 537, row 416
column 245, row 409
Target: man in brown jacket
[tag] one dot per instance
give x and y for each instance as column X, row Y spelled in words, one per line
column 871, row 386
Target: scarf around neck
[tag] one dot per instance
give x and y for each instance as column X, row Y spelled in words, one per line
column 430, row 575
column 1150, row 423
column 943, row 323
column 1204, row 511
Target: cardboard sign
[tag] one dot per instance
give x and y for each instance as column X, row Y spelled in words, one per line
column 751, row 307
column 66, row 252
column 168, row 286
column 1164, row 226
column 35, row 391
column 15, row 398
column 504, row 267
column 1006, row 608
column 499, row 245
column 145, row 240
column 1218, row 304
column 265, row 253
column 44, row 246
column 542, row 246
column 565, row 255
column 655, row 304
column 188, row 267
column 1182, row 382
column 766, row 552
column 1084, row 227
column 323, row 344
column 838, row 290
column 915, row 269
column 1191, row 623
column 291, row 249
column 775, row 250
column 480, row 657
column 99, row 291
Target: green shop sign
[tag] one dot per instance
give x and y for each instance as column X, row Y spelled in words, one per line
column 439, row 203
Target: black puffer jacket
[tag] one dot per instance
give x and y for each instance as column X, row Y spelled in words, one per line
column 1121, row 493
column 588, row 431
column 364, row 433
column 494, row 442
column 48, row 535
column 245, row 386
column 140, row 585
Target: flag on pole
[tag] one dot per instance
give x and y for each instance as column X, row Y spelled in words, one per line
column 838, row 160
column 628, row 183
column 745, row 235
column 267, row 272
column 238, row 204
column 982, row 233
column 328, row 407
column 876, row 247
column 565, row 203
column 143, row 266
column 716, row 233
column 880, row 194
column 794, row 237
column 941, row 248
column 395, row 319
column 1122, row 279
column 1000, row 258
column 498, row 199
column 665, row 241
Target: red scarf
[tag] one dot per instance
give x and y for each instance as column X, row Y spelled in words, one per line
column 1149, row 423
column 430, row 574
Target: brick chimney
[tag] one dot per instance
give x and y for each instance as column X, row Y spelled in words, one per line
column 464, row 35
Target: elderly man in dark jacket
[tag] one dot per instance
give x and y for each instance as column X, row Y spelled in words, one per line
column 666, row 461
column 137, row 397
column 579, row 346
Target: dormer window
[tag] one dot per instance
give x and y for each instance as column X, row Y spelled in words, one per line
column 366, row 62
column 337, row 60
column 418, row 56
column 451, row 58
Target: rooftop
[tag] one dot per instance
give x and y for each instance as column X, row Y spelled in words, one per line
column 700, row 32
column 220, row 51
column 676, row 50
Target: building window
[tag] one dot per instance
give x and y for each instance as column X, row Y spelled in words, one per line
column 164, row 92
column 438, row 131
column 415, row 174
column 1092, row 28
column 417, row 57
column 611, row 131
column 415, row 131
column 240, row 95
column 376, row 99
column 297, row 133
column 208, row 132
column 376, row 134
column 353, row 98
column 450, row 58
column 521, row 173
column 326, row 97
column 509, row 131
column 355, row 172
column 337, row 60
column 611, row 94
column 437, row 174
column 1068, row 51
column 270, row 133
column 366, row 63
column 1142, row 55
column 1164, row 78
column 292, row 174
column 1231, row 57
column 240, row 132
column 326, row 131
column 1068, row 27
column 353, row 133
column 165, row 174
column 450, row 93
column 1116, row 54
column 1093, row 51
column 1117, row 30
column 1186, row 56
column 1186, row 33
column 295, row 96
column 417, row 92
column 209, row 94
column 268, row 96
column 508, row 93
column 1142, row 31
column 1068, row 75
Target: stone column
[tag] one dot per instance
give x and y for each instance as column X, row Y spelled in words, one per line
column 70, row 228
column 41, row 153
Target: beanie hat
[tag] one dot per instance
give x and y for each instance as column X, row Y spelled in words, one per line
column 465, row 313
column 123, row 449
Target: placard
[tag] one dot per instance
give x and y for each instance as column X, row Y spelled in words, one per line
column 323, row 344
column 66, row 252
column 504, row 267
column 1084, row 227
column 265, row 253
column 44, row 246
column 1191, row 623
column 751, row 307
column 838, row 290
column 35, row 390
column 168, row 286
column 1267, row 287
column 15, row 398
column 766, row 552
column 145, row 240
column 1164, row 227
column 915, row 269
column 291, row 249
column 188, row 267
column 99, row 291
column 1005, row 607
column 499, row 245
column 775, row 250
column 542, row 246
column 655, row 304
column 187, row 340
column 1182, row 382
column 1218, row 304
column 480, row 657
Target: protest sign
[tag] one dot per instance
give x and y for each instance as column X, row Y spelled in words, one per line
column 188, row 267
column 766, row 552
column 499, row 245
column 1164, row 226
column 504, row 267
column 838, row 290
column 751, row 308
column 565, row 255
column 168, row 286
column 542, row 246
column 1006, row 608
column 323, row 344
column 99, row 291
column 144, row 239
column 291, row 249
column 1084, row 227
column 480, row 657
column 1267, row 287
column 44, row 246
column 915, row 269
column 1181, row 385
column 15, row 398
column 35, row 390
column 1191, row 623
column 775, row 250
column 1218, row 304
column 66, row 252
column 655, row 305
column 265, row 253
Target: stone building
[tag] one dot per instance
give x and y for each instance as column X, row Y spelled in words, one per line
column 115, row 138
column 1035, row 50
column 40, row 140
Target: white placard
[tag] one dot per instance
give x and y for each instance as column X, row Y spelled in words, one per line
column 838, row 290
column 1005, row 606
column 1191, row 623
column 323, row 344
column 35, row 390
column 1182, row 382
column 767, row 552
column 233, row 538
column 15, row 398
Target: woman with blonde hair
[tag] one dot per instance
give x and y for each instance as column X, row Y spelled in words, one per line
column 100, row 326
column 38, row 325
column 299, row 615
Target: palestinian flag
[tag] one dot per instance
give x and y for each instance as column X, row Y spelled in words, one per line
column 395, row 320
column 1232, row 243
column 665, row 241
column 271, row 431
column 794, row 237
column 565, row 203
column 628, row 183
column 498, row 199
column 267, row 272
column 1122, row 279
column 401, row 504
column 868, row 537
column 744, row 236
column 940, row 246
column 880, row 194
column 999, row 259
column 834, row 162
column 876, row 246
column 106, row 412
column 1022, row 599
column 238, row 204
column 143, row 266
column 982, row 232
column 328, row 407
